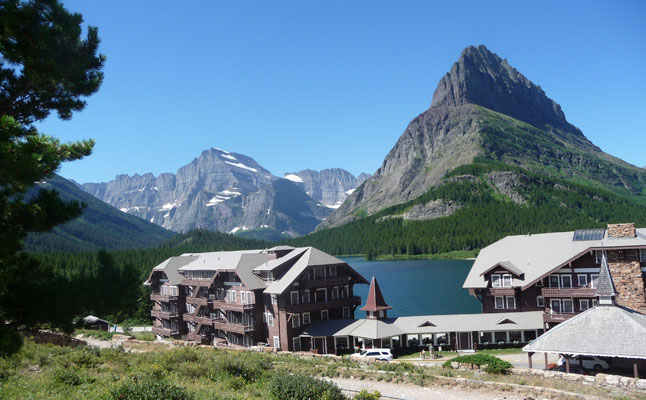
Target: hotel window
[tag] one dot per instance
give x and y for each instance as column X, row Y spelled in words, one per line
column 511, row 302
column 495, row 280
column 306, row 296
column 554, row 281
column 584, row 304
column 294, row 297
column 539, row 283
column 566, row 281
column 642, row 255
column 274, row 299
column 555, row 306
column 276, row 342
column 598, row 256
column 594, row 302
column 506, row 280
column 296, row 321
column 540, row 302
column 346, row 312
column 335, row 293
column 243, row 297
column 568, row 306
column 381, row 313
column 320, row 272
column 325, row 315
column 321, row 295
column 306, row 318
column 332, row 272
column 499, row 302
column 593, row 280
column 296, row 343
column 583, row 280
column 270, row 319
column 231, row 296
column 346, row 291
column 270, row 276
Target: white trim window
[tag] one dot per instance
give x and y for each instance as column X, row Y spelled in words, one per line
column 321, row 295
column 539, row 283
column 555, row 306
column 243, row 297
column 582, row 280
column 593, row 280
column 555, row 281
column 276, row 342
column 270, row 319
column 506, row 280
column 296, row 321
column 325, row 315
column 274, row 299
column 294, row 297
column 511, row 302
column 346, row 291
column 540, row 301
column 594, row 302
column 231, row 296
column 306, row 296
column 568, row 306
column 495, row 281
column 584, row 304
column 296, row 343
column 306, row 318
column 335, row 292
column 642, row 255
column 499, row 302
column 270, row 276
column 566, row 281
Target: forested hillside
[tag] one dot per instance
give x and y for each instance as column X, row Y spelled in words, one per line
column 478, row 204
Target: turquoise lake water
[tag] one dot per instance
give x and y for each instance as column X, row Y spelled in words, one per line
column 418, row 287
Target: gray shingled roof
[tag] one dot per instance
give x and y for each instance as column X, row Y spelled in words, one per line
column 539, row 254
column 217, row 260
column 603, row 331
column 270, row 265
column 171, row 267
column 326, row 328
column 605, row 285
column 506, row 265
column 310, row 258
column 245, row 268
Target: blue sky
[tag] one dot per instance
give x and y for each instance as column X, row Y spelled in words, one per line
column 307, row 84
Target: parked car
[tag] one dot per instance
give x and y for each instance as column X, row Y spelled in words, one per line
column 373, row 354
column 573, row 370
column 588, row 362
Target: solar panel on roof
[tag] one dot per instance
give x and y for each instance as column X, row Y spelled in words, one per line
column 588, row 234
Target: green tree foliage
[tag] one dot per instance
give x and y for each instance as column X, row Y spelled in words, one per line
column 45, row 66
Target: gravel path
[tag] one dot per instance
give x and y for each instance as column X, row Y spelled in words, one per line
column 412, row 392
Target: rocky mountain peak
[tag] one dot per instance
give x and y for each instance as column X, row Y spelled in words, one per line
column 483, row 78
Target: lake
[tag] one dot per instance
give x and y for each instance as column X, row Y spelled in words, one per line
column 418, row 287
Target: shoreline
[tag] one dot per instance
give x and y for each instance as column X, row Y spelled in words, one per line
column 467, row 255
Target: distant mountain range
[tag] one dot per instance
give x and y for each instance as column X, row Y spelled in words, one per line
column 229, row 192
column 101, row 226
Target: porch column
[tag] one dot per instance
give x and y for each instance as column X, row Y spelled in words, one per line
column 391, row 342
column 567, row 364
column 635, row 370
column 419, row 339
column 434, row 340
column 522, row 336
column 507, row 338
column 335, row 352
column 529, row 359
column 493, row 337
column 545, row 354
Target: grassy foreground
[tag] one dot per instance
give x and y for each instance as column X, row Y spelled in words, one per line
column 41, row 371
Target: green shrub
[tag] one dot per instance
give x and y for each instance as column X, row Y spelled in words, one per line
column 10, row 341
column 248, row 366
column 66, row 376
column 366, row 395
column 7, row 369
column 149, row 336
column 150, row 389
column 299, row 387
column 494, row 365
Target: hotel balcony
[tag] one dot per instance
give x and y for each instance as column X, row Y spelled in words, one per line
column 197, row 282
column 204, row 320
column 325, row 282
column 164, row 314
column 502, row 291
column 224, row 305
column 196, row 337
column 568, row 292
column 198, row 301
column 223, row 325
column 557, row 317
column 322, row 305
column 168, row 332
column 162, row 297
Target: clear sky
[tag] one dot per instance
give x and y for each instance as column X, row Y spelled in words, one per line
column 322, row 84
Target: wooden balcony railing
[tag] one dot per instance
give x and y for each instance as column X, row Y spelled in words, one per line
column 200, row 301
column 196, row 337
column 324, row 282
column 225, row 305
column 165, row 331
column 223, row 325
column 556, row 317
column 164, row 314
column 507, row 291
column 336, row 303
column 197, row 282
column 162, row 297
column 204, row 320
column 568, row 292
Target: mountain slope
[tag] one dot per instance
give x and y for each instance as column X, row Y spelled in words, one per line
column 101, row 226
column 484, row 108
column 329, row 187
column 219, row 190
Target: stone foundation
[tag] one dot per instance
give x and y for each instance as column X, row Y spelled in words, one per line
column 621, row 230
column 628, row 279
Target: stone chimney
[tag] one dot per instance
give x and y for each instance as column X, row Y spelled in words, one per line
column 622, row 230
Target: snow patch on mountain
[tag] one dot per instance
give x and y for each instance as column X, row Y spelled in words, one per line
column 293, row 178
column 241, row 165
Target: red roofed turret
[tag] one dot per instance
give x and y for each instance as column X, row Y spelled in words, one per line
column 375, row 304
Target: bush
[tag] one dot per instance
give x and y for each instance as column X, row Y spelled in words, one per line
column 150, row 389
column 149, row 336
column 66, row 376
column 247, row 366
column 366, row 395
column 494, row 365
column 299, row 387
column 10, row 341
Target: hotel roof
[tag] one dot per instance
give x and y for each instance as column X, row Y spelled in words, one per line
column 539, row 254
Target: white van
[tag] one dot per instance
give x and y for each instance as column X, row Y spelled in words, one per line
column 373, row 354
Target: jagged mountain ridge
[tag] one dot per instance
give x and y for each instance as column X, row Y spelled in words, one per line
column 330, row 186
column 101, row 226
column 219, row 190
column 485, row 108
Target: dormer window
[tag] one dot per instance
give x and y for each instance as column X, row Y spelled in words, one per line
column 495, row 281
column 501, row 280
column 506, row 280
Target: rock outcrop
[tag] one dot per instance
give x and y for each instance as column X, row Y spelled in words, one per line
column 330, row 187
